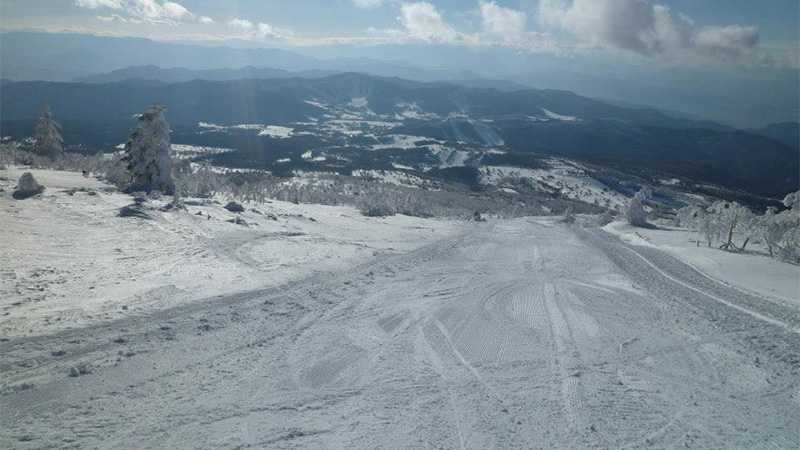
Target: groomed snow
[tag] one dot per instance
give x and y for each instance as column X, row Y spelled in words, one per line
column 752, row 272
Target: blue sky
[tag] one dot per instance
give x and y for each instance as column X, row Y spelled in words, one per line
column 673, row 32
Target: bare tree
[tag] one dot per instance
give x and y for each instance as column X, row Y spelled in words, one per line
column 48, row 140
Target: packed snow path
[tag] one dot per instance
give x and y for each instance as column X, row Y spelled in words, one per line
column 516, row 334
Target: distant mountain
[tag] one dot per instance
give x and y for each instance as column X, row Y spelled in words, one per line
column 181, row 75
column 67, row 56
column 787, row 133
column 542, row 121
column 37, row 56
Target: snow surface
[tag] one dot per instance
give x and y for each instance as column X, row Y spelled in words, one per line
column 509, row 334
column 759, row 273
column 73, row 262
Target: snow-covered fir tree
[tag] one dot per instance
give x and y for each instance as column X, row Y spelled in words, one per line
column 147, row 153
column 635, row 213
column 48, row 140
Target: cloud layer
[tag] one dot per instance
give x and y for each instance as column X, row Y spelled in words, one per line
column 639, row 27
column 645, row 28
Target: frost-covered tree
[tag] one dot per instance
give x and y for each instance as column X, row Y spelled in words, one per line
column 147, row 153
column 732, row 219
column 635, row 213
column 47, row 139
column 781, row 231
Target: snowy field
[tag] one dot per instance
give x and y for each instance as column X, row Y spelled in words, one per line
column 315, row 327
column 69, row 261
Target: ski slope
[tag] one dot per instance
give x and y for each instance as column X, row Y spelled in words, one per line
column 511, row 334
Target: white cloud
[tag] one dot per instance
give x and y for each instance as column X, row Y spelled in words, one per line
column 149, row 11
column 205, row 20
column 645, row 28
column 242, row 24
column 502, row 21
column 97, row 4
column 260, row 30
column 367, row 4
column 727, row 41
column 174, row 10
column 112, row 18
column 423, row 21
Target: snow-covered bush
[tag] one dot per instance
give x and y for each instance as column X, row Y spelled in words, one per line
column 147, row 153
column 48, row 140
column 27, row 187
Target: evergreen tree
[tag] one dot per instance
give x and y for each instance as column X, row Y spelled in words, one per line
column 635, row 213
column 147, row 153
column 48, row 138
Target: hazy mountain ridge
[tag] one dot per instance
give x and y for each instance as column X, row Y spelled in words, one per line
column 543, row 121
column 182, row 75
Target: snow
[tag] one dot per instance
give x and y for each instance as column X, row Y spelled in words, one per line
column 752, row 272
column 395, row 177
column 508, row 334
column 273, row 131
column 413, row 111
column 184, row 151
column 670, row 181
column 277, row 132
column 556, row 116
column 74, row 262
column 359, row 102
column 317, row 104
column 402, row 141
column 568, row 178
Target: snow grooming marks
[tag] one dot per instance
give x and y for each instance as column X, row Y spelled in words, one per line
column 751, row 313
column 565, row 359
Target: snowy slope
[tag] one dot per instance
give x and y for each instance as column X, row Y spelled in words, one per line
column 73, row 262
column 512, row 334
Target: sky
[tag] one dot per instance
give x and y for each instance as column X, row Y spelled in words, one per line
column 714, row 33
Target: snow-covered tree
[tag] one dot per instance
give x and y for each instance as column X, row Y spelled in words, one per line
column 47, row 139
column 635, row 213
column 733, row 219
column 147, row 153
column 792, row 201
column 781, row 231
column 569, row 215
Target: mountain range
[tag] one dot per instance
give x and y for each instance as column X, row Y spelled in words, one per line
column 99, row 115
column 744, row 98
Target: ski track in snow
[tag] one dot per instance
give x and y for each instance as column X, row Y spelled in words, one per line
column 513, row 334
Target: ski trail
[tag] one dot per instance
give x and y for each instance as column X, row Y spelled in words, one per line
column 562, row 341
column 460, row 357
column 749, row 312
column 438, row 367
